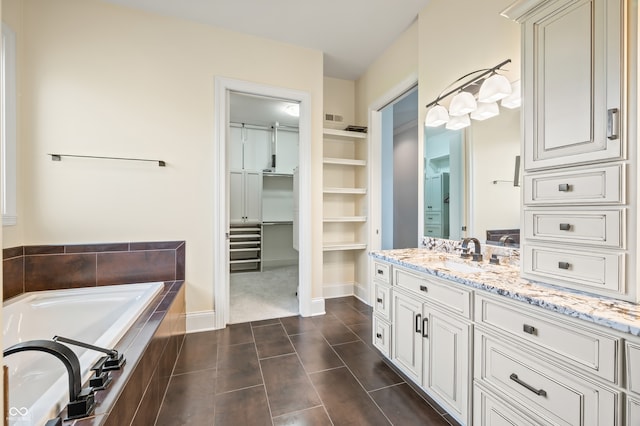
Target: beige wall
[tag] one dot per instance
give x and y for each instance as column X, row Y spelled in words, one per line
column 105, row 80
column 12, row 15
column 396, row 64
column 339, row 98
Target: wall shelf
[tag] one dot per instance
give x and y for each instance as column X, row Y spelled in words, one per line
column 344, row 246
column 354, row 191
column 345, row 219
column 344, row 161
column 345, row 134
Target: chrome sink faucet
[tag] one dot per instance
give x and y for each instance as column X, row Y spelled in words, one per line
column 477, row 252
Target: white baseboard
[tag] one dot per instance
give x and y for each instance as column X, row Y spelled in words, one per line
column 317, row 306
column 330, row 291
column 274, row 263
column 201, row 321
column 361, row 293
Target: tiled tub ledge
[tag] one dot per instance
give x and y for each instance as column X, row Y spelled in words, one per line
column 505, row 280
column 151, row 349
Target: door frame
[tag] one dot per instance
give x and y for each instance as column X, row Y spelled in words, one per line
column 221, row 194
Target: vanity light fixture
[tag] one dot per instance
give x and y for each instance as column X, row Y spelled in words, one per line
column 493, row 87
column 514, row 100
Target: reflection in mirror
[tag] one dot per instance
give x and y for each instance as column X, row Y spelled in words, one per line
column 469, row 181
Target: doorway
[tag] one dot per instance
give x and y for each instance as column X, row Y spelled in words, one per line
column 251, row 189
column 399, row 172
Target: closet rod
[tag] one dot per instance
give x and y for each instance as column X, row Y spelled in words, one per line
column 58, row 157
column 260, row 127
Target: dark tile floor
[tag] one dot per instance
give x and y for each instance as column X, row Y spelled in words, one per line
column 293, row 371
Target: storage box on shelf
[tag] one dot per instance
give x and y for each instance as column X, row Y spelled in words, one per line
column 344, row 212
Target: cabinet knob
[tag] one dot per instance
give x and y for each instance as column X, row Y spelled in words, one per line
column 379, row 336
column 564, row 187
column 379, row 300
column 564, row 265
column 380, row 272
column 565, row 227
column 424, row 288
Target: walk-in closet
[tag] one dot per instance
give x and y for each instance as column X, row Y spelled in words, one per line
column 262, row 147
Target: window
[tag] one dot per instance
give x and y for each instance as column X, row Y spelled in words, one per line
column 8, row 124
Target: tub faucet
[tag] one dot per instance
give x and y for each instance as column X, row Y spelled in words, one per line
column 477, row 253
column 81, row 401
column 506, row 239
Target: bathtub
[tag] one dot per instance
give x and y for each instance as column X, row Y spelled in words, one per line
column 38, row 382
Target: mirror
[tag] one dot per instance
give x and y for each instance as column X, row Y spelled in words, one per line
column 469, row 178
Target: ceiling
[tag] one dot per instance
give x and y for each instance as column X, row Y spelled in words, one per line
column 259, row 110
column 351, row 33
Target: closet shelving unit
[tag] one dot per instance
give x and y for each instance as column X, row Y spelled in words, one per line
column 344, row 211
column 245, row 247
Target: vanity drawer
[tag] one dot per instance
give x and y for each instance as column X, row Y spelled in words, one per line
column 382, row 302
column 444, row 293
column 433, row 231
column 597, row 227
column 580, row 269
column 382, row 336
column 382, row 272
column 632, row 356
column 432, row 218
column 489, row 410
column 601, row 185
column 552, row 393
column 585, row 348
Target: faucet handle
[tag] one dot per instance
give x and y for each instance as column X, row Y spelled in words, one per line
column 464, row 252
column 477, row 257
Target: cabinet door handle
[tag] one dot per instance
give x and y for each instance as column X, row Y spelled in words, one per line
column 613, row 123
column 418, row 318
column 564, row 265
column 424, row 288
column 529, row 329
column 515, row 378
column 564, row 187
column 565, row 227
column 379, row 336
column 425, row 328
column 379, row 300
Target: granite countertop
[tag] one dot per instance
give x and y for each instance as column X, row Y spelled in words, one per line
column 505, row 280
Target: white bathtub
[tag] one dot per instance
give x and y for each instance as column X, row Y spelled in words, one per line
column 38, row 382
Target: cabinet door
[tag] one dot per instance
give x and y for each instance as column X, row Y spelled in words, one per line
column 433, row 196
column 572, row 87
column 407, row 335
column 253, row 197
column 235, row 148
column 286, row 151
column 446, row 360
column 257, row 149
column 236, row 197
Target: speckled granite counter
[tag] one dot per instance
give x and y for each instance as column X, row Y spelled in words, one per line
column 505, row 280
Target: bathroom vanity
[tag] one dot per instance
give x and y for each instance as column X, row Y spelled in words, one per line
column 494, row 348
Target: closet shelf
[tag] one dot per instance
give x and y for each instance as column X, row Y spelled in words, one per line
column 345, row 190
column 237, row 236
column 344, row 161
column 344, row 246
column 247, row 249
column 256, row 260
column 344, row 133
column 345, row 219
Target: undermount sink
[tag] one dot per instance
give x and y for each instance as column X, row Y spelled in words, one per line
column 462, row 267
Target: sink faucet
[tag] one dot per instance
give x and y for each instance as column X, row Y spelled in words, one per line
column 477, row 253
column 81, row 401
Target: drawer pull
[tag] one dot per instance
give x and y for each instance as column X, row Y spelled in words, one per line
column 418, row 318
column 379, row 336
column 564, row 265
column 565, row 227
column 529, row 329
column 540, row 392
column 564, row 187
column 425, row 328
column 379, row 300
column 613, row 123
column 380, row 272
column 424, row 288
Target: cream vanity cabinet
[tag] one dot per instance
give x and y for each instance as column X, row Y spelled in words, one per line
column 574, row 144
column 430, row 331
column 543, row 368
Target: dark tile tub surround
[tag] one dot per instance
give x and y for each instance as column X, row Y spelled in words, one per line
column 51, row 267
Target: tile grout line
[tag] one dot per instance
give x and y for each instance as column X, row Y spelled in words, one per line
column 264, row 383
column 324, row 407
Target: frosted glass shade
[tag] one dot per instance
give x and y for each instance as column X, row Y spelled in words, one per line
column 436, row 116
column 514, row 100
column 461, row 104
column 485, row 111
column 494, row 88
column 458, row 122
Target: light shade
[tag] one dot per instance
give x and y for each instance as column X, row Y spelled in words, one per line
column 494, row 88
column 436, row 116
column 458, row 122
column 461, row 104
column 514, row 100
column 485, row 111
